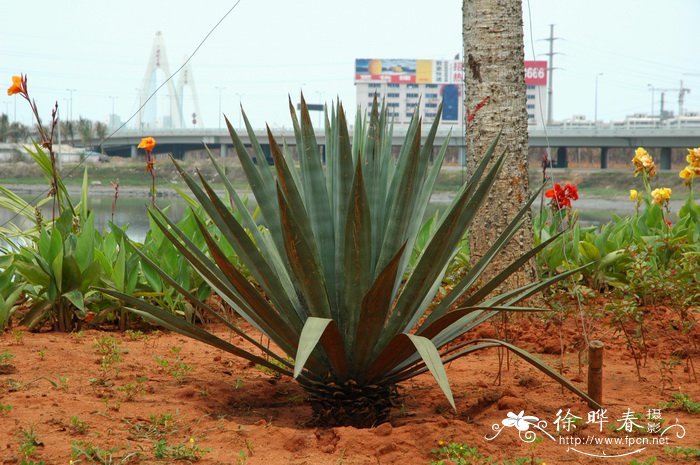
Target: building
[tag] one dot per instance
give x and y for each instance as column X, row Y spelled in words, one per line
column 406, row 83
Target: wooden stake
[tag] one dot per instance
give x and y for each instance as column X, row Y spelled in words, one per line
column 595, row 371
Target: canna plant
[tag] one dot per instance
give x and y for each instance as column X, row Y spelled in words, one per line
column 331, row 283
column 10, row 291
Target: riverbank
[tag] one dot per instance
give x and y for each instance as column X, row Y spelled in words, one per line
column 26, row 179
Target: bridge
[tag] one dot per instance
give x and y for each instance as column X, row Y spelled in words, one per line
column 560, row 139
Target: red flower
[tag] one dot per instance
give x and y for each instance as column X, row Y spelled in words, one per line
column 571, row 191
column 668, row 222
column 562, row 196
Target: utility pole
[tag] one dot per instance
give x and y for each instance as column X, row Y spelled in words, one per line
column 652, row 89
column 550, row 71
column 681, row 97
column 661, row 111
column 595, row 117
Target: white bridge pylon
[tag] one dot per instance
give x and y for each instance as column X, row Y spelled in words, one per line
column 148, row 116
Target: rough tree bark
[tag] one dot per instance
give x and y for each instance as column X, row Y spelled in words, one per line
column 494, row 68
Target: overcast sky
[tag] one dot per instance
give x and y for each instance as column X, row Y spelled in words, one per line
column 265, row 50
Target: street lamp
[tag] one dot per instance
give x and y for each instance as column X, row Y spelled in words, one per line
column 219, row 89
column 71, row 102
column 139, row 120
column 651, row 88
column 112, row 98
column 595, row 112
column 112, row 117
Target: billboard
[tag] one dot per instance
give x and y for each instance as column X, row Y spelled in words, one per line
column 411, row 71
column 536, row 73
column 408, row 71
column 447, row 72
column 391, row 70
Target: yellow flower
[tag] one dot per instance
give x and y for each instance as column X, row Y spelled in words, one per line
column 147, row 143
column 690, row 172
column 191, row 440
column 634, row 195
column 686, row 173
column 643, row 162
column 18, row 86
column 661, row 195
column 693, row 157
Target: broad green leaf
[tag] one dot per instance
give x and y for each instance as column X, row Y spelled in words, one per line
column 431, row 358
column 76, row 298
column 589, row 251
column 119, row 271
column 313, row 332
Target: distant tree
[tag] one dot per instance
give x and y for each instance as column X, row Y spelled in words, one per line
column 68, row 130
column 100, row 130
column 85, row 130
column 18, row 132
column 4, row 127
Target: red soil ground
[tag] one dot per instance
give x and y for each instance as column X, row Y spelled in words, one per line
column 245, row 415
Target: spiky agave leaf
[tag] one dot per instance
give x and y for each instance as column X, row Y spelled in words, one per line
column 337, row 293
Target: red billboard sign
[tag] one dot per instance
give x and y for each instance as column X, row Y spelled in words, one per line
column 536, row 73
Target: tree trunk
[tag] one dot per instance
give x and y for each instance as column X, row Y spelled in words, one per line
column 494, row 68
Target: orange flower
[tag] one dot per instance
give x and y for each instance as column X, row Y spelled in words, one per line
column 18, row 86
column 147, row 143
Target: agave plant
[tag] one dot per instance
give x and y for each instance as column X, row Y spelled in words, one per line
column 332, row 286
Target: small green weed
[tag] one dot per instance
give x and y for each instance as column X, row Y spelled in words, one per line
column 191, row 452
column 18, row 336
column 96, row 455
column 107, row 347
column 157, row 427
column 176, row 367
column 135, row 335
column 6, row 357
column 131, row 390
column 62, row 383
column 683, row 452
column 78, row 426
column 650, row 461
column 4, row 408
column 463, row 454
column 682, row 402
column 30, row 442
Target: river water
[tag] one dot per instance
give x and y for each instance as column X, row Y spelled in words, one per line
column 131, row 210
